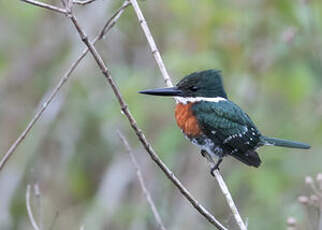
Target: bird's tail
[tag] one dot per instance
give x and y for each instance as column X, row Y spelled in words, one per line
column 284, row 143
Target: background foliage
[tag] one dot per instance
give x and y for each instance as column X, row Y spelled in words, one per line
column 270, row 53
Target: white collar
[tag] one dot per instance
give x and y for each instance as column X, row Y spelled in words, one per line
column 185, row 100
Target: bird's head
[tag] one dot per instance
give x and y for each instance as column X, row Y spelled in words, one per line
column 207, row 84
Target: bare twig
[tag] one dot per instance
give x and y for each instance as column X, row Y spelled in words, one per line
column 142, row 183
column 320, row 215
column 309, row 181
column 313, row 202
column 29, row 210
column 38, row 203
column 153, row 46
column 230, row 200
column 111, row 22
column 167, row 80
column 46, row 6
column 108, row 25
column 84, row 2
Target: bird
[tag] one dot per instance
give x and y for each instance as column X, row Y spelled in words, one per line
column 215, row 123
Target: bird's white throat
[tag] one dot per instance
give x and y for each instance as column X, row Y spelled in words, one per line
column 185, row 100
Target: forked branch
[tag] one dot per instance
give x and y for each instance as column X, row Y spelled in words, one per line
column 106, row 28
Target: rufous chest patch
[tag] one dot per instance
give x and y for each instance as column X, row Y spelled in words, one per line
column 186, row 120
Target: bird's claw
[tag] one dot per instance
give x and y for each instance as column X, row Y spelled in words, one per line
column 212, row 170
column 215, row 167
column 203, row 152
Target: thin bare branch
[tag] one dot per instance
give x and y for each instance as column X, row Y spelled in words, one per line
column 142, row 183
column 84, row 2
column 167, row 80
column 46, row 6
column 29, row 210
column 38, row 203
column 320, row 215
column 138, row 131
column 309, row 181
column 229, row 200
column 108, row 25
column 153, row 46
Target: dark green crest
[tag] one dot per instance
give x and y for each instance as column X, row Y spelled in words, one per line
column 206, row 83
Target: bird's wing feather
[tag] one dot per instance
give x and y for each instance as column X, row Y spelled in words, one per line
column 222, row 115
column 225, row 123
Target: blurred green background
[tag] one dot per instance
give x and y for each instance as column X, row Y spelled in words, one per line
column 270, row 52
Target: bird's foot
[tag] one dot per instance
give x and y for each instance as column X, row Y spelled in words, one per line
column 203, row 152
column 215, row 167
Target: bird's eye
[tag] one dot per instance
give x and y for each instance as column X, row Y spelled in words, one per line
column 194, row 88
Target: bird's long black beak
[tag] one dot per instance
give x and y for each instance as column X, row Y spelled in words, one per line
column 172, row 91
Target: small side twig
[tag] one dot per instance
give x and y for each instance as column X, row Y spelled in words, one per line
column 108, row 25
column 38, row 204
column 84, row 2
column 309, row 181
column 142, row 183
column 29, row 210
column 46, row 6
column 313, row 202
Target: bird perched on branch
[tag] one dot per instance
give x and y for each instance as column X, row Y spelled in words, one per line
column 216, row 124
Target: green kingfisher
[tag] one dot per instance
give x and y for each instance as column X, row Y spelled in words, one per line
column 210, row 120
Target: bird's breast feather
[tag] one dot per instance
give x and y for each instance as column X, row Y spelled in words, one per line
column 186, row 120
